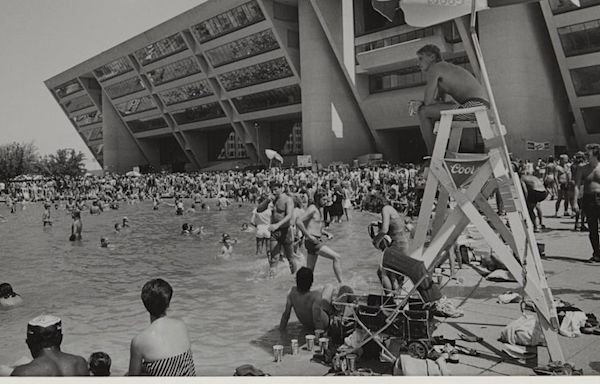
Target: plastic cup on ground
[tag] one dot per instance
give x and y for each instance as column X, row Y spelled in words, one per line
column 351, row 361
column 323, row 344
column 295, row 349
column 278, row 352
column 310, row 342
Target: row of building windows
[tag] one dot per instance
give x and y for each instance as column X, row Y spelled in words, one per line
column 88, row 118
column 163, row 48
column 125, row 87
column 95, row 134
column 234, row 148
column 291, row 138
column 113, row 69
column 227, row 22
column 408, row 77
column 397, row 39
column 187, row 92
column 148, row 124
column 586, row 80
column 268, row 99
column 580, row 38
column 198, row 113
column 80, row 102
column 255, row 74
column 68, row 88
column 132, row 106
column 562, row 6
column 174, row 71
column 252, row 45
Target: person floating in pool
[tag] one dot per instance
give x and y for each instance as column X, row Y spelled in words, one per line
column 104, row 243
column 188, row 229
column 125, row 222
column 44, row 336
column 8, row 297
column 227, row 248
column 118, row 227
column 76, row 226
column 46, row 220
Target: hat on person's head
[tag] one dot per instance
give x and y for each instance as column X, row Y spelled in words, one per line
column 564, row 156
column 44, row 322
column 225, row 237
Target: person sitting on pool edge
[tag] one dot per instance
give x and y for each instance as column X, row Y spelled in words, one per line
column 8, row 298
column 163, row 348
column 44, row 336
column 314, row 309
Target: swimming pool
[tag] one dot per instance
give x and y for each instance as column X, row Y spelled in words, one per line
column 231, row 308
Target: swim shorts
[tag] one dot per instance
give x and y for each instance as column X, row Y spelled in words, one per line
column 283, row 236
column 313, row 247
column 470, row 103
column 534, row 197
column 262, row 231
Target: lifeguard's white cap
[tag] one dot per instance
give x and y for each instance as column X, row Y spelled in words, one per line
column 44, row 321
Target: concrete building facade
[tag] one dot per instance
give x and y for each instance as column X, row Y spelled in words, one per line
column 217, row 85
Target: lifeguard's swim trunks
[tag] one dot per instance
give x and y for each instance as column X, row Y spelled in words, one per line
column 470, row 103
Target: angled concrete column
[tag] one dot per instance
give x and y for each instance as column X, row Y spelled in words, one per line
column 120, row 152
column 333, row 128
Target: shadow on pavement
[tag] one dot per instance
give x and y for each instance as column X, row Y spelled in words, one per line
column 272, row 337
column 588, row 294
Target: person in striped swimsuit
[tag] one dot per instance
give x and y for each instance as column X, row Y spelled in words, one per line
column 163, row 348
column 445, row 79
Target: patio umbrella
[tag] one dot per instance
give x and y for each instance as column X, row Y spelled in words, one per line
column 133, row 174
column 271, row 154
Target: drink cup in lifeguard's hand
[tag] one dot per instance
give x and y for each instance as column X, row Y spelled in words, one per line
column 295, row 349
column 310, row 342
column 351, row 360
column 278, row 352
column 323, row 344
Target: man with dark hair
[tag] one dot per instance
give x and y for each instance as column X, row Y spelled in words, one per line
column 443, row 79
column 282, row 238
column 589, row 176
column 313, row 308
column 44, row 336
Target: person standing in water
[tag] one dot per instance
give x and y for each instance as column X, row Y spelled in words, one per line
column 76, row 226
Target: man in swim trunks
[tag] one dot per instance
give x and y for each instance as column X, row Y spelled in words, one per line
column 563, row 176
column 535, row 192
column 550, row 181
column 44, row 336
column 314, row 309
column 443, row 79
column 310, row 224
column 589, row 176
column 281, row 235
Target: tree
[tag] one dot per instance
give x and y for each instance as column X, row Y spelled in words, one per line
column 66, row 161
column 17, row 159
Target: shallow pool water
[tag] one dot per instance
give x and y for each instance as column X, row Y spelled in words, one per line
column 232, row 308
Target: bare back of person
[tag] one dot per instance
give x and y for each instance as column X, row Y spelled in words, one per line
column 306, row 305
column 164, row 337
column 54, row 363
column 533, row 183
column 457, row 82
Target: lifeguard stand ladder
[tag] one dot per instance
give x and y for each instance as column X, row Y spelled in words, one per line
column 468, row 180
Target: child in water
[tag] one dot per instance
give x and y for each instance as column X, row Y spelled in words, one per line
column 46, row 215
column 76, row 226
column 227, row 248
column 104, row 243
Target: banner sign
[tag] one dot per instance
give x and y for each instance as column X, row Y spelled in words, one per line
column 462, row 170
column 536, row 146
column 304, row 161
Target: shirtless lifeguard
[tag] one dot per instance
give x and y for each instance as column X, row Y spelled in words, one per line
column 443, row 79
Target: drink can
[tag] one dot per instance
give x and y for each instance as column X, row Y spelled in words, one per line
column 351, row 361
column 310, row 342
column 324, row 344
column 295, row 349
column 278, row 352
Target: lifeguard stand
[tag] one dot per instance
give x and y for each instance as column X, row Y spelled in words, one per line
column 465, row 181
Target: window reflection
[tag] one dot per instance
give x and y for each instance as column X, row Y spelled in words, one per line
column 112, row 69
column 407, row 77
column 174, row 71
column 252, row 45
column 269, row 99
column 148, row 124
column 286, row 138
column 187, row 92
column 233, row 148
column 562, row 6
column 580, row 38
column 586, row 80
column 125, row 87
column 255, row 74
column 163, row 48
column 88, row 118
column 232, row 20
column 68, row 88
column 78, row 103
column 135, row 105
column 198, row 113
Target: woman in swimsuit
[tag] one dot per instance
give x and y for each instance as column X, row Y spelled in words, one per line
column 163, row 348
